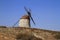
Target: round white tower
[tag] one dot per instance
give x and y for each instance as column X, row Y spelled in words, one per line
column 24, row 21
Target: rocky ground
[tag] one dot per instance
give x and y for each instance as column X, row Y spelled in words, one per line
column 19, row 33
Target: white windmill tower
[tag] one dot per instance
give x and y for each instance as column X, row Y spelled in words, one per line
column 24, row 21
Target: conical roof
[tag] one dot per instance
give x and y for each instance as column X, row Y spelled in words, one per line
column 25, row 17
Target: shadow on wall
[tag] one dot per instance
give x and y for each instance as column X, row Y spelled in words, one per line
column 26, row 37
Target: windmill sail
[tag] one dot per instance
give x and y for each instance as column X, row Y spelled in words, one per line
column 15, row 23
column 32, row 19
column 29, row 13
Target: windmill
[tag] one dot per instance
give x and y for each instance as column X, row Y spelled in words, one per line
column 24, row 21
column 29, row 13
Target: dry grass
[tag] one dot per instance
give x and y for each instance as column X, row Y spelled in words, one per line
column 24, row 33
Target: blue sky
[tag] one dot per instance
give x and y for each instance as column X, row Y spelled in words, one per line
column 46, row 13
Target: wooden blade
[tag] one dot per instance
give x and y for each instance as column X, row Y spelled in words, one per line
column 15, row 23
column 26, row 9
column 31, row 16
column 29, row 13
column 32, row 20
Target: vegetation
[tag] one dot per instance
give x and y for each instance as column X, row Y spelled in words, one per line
column 57, row 36
column 26, row 37
column 2, row 26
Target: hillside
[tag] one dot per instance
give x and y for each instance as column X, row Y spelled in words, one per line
column 19, row 33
